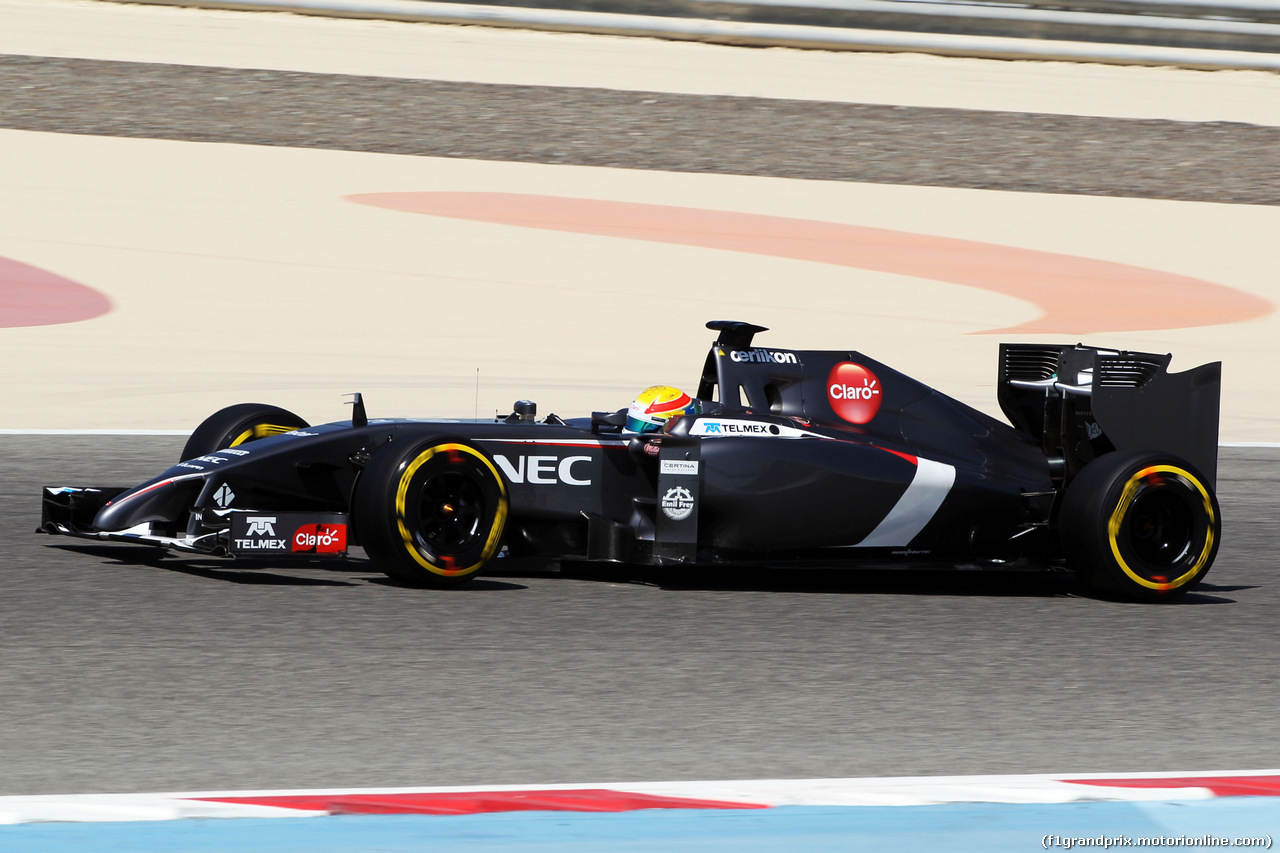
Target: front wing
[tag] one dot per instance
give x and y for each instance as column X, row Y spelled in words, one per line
column 70, row 510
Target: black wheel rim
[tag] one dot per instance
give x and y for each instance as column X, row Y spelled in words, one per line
column 450, row 513
column 1160, row 527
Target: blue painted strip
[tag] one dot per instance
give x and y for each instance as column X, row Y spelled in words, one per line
column 957, row 828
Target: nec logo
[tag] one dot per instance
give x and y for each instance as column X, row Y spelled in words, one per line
column 262, row 525
column 543, row 470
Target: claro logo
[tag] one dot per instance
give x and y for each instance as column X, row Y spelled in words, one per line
column 321, row 538
column 545, row 470
column 854, row 392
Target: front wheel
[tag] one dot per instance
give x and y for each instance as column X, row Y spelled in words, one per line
column 1142, row 524
column 239, row 424
column 430, row 513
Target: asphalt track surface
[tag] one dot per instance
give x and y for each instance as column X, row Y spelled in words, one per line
column 126, row 671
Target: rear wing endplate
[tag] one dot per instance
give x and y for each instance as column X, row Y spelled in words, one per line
column 1081, row 401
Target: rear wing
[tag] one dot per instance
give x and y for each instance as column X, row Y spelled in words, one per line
column 1080, row 402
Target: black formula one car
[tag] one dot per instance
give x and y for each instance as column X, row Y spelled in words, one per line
column 793, row 459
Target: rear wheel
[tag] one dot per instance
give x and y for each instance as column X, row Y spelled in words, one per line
column 1142, row 524
column 431, row 513
column 239, row 424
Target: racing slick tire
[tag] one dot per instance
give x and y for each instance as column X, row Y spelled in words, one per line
column 239, row 424
column 430, row 513
column 1141, row 524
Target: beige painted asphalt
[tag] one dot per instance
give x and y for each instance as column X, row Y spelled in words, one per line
column 91, row 29
column 241, row 273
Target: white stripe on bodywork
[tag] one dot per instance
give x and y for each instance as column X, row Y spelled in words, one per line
column 928, row 489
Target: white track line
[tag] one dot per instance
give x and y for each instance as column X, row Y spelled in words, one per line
column 95, row 432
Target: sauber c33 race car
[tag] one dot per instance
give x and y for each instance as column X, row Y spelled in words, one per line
column 788, row 459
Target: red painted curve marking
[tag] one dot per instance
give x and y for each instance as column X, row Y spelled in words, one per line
column 1077, row 295
column 1222, row 786
column 482, row 802
column 30, row 296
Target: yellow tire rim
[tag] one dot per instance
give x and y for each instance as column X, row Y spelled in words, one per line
column 1132, row 489
column 495, row 529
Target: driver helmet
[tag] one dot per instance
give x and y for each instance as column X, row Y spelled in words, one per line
column 656, row 405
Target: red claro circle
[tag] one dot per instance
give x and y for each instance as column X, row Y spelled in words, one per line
column 854, row 392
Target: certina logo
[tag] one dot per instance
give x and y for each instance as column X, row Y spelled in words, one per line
column 321, row 538
column 678, row 466
column 261, row 525
column 545, row 470
column 763, row 356
column 677, row 503
column 854, row 392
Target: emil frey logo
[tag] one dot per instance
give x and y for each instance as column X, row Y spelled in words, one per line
column 854, row 392
column 677, row 503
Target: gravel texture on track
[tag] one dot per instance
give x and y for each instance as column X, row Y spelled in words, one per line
column 125, row 670
column 1214, row 161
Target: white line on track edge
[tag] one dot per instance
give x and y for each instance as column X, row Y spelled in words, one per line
column 101, row 432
